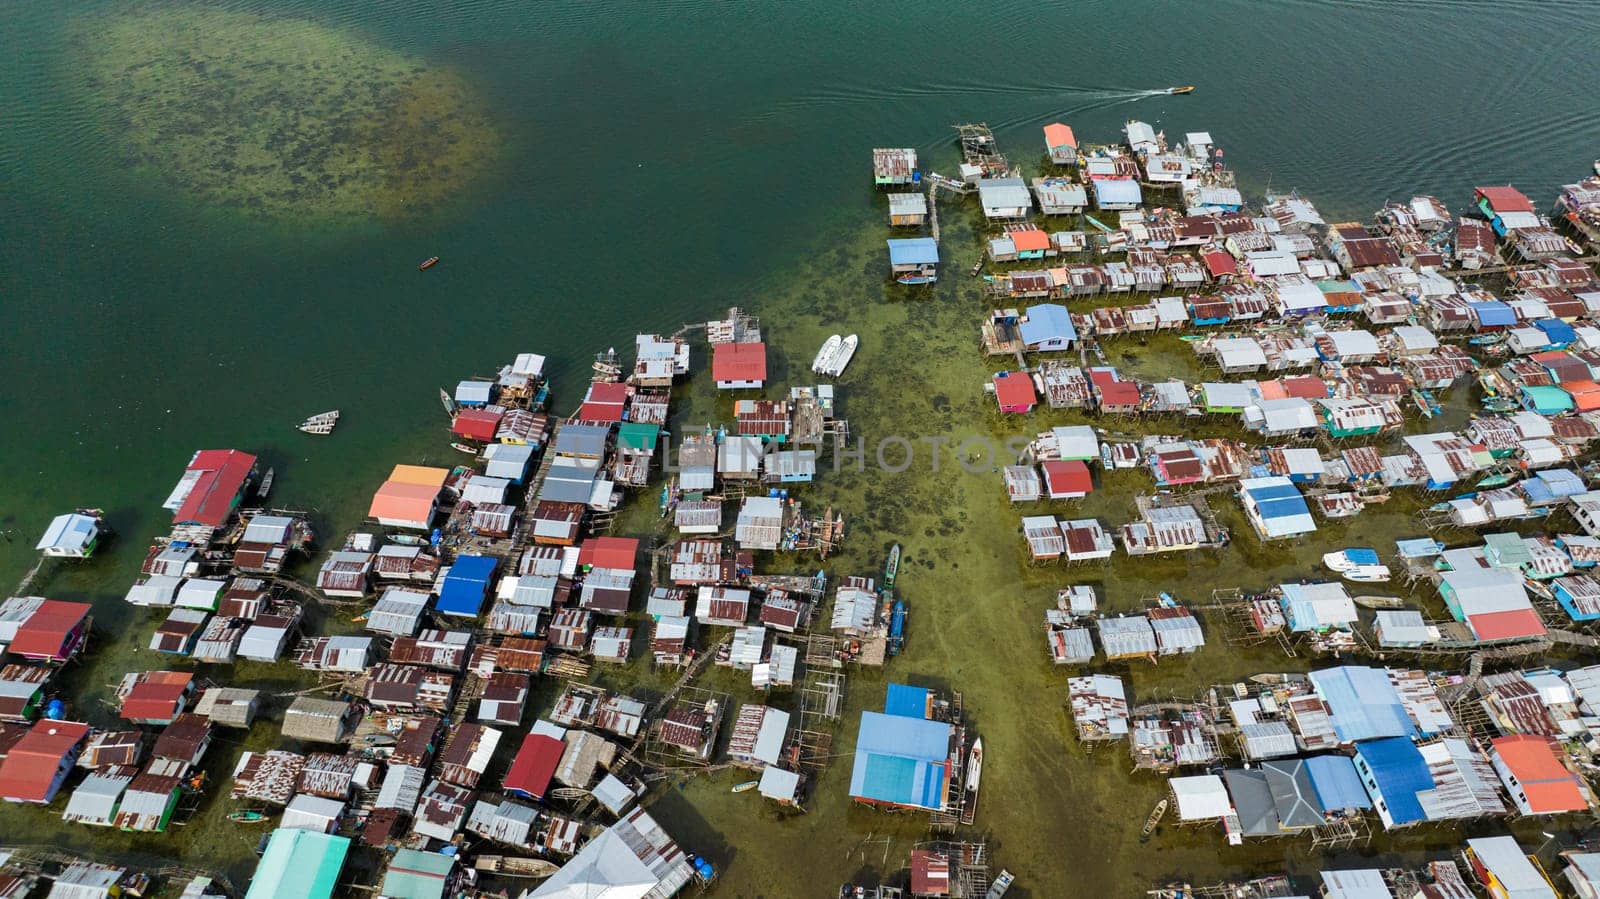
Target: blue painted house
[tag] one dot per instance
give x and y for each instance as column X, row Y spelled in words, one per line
column 1546, row 400
column 1579, row 596
column 1393, row 772
column 914, row 260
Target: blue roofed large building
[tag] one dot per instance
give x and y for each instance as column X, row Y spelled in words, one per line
column 465, row 585
column 1363, row 703
column 1394, row 772
column 902, row 758
column 1275, row 508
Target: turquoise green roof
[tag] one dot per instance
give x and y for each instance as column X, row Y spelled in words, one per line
column 300, row 863
column 636, row 435
column 416, row 875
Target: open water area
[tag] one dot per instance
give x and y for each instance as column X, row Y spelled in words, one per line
column 211, row 216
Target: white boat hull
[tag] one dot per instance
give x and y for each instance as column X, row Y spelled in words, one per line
column 826, row 354
column 1367, row 574
column 841, row 357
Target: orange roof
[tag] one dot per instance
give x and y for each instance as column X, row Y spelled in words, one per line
column 424, row 475
column 1585, row 394
column 1272, row 390
column 1026, row 239
column 1059, row 135
column 1548, row 784
column 400, row 501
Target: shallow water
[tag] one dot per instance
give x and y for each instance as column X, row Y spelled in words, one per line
column 641, row 181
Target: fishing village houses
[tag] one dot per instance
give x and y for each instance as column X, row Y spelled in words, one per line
column 1318, row 370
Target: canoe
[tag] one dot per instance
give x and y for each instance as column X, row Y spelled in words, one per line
column 428, row 263
column 746, row 787
column 246, row 816
column 512, row 866
column 464, row 448
column 1156, row 814
column 1379, row 602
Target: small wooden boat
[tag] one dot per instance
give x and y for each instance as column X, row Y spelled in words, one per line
column 464, row 448
column 513, row 866
column 1181, row 89
column 1156, row 814
column 265, row 487
column 448, row 401
column 428, row 263
column 247, row 816
column 1379, row 602
column 321, row 423
column 746, row 787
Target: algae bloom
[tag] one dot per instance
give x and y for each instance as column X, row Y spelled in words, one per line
column 283, row 118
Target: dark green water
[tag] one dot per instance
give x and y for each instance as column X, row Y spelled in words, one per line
column 642, row 165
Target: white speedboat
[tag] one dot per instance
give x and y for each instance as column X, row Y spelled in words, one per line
column 841, row 356
column 1367, row 574
column 969, row 798
column 825, row 355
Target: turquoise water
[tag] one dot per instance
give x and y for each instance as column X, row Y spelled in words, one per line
column 655, row 163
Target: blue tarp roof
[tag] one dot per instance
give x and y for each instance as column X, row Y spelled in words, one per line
column 1557, row 330
column 1048, row 321
column 464, row 587
column 1493, row 313
column 1117, row 190
column 1362, row 556
column 900, row 761
column 906, row 701
column 913, row 251
column 1337, row 783
column 1363, row 703
column 1400, row 772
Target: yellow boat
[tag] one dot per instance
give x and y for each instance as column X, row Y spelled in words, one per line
column 1182, row 89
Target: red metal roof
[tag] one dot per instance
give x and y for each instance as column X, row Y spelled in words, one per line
column 157, row 696
column 1549, row 786
column 930, row 873
column 1118, row 393
column 534, row 765
column 30, row 767
column 1067, row 476
column 609, row 552
column 1014, row 389
column 1058, row 135
column 476, row 424
column 739, row 362
column 1505, row 199
column 210, row 500
column 1219, row 263
column 604, row 402
column 1306, row 388
column 1029, row 239
column 44, row 635
column 1507, row 625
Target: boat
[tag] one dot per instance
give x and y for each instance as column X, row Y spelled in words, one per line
column 1379, row 602
column 514, row 866
column 448, row 401
column 1597, row 166
column 1367, row 574
column 1181, row 89
column 464, row 448
column 1000, row 885
column 321, row 423
column 977, row 267
column 1494, row 338
column 428, row 263
column 247, row 816
column 746, row 787
column 1350, row 559
column 891, row 568
column 1156, row 814
column 408, row 539
column 825, row 355
column 1426, row 404
column 969, row 801
column 897, row 627
column 265, row 487
column 841, row 357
